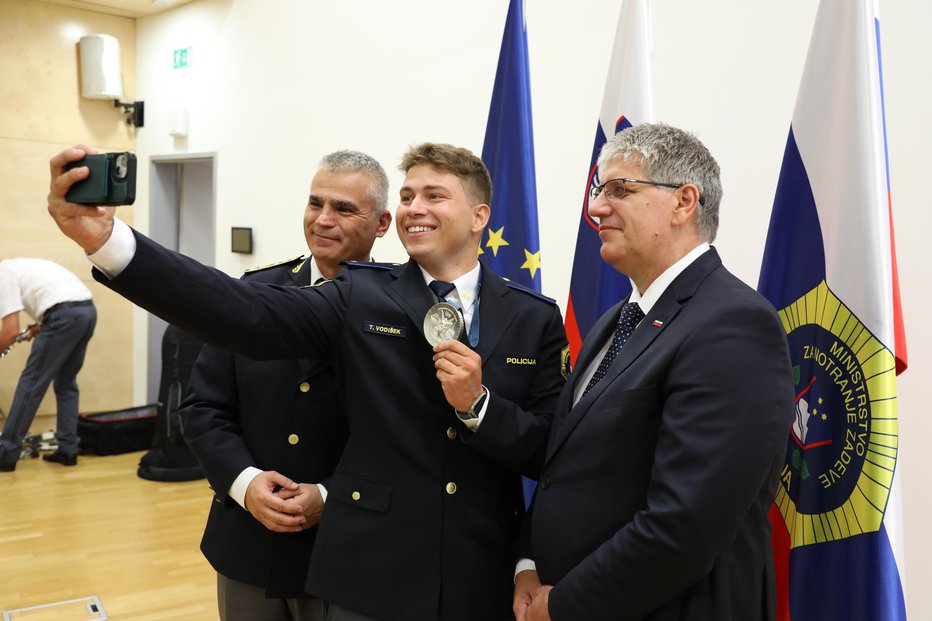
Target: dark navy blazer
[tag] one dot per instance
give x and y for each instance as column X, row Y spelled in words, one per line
column 653, row 500
column 422, row 515
column 281, row 415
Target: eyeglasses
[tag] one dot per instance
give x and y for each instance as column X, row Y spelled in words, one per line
column 615, row 189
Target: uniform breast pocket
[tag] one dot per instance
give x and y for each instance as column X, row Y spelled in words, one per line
column 360, row 492
column 630, row 419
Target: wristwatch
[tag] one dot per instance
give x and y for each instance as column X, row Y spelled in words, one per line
column 470, row 417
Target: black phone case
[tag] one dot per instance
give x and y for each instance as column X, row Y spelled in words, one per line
column 102, row 187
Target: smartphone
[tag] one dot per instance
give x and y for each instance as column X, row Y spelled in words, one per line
column 112, row 180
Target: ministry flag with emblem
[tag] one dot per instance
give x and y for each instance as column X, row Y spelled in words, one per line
column 512, row 245
column 829, row 267
column 627, row 100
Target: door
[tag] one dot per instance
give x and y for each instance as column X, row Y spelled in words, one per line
column 181, row 217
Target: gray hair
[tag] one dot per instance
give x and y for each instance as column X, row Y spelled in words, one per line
column 671, row 155
column 358, row 162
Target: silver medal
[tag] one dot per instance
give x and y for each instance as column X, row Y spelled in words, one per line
column 443, row 322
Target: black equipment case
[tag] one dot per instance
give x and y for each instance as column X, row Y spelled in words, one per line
column 169, row 458
column 117, row 431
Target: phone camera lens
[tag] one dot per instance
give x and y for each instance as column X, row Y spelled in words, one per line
column 120, row 166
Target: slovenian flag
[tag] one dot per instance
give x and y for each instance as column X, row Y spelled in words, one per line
column 627, row 100
column 512, row 245
column 829, row 268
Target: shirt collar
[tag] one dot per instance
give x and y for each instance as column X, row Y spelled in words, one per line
column 315, row 271
column 316, row 274
column 647, row 300
column 466, row 284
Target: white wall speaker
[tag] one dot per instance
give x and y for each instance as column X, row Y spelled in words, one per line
column 100, row 67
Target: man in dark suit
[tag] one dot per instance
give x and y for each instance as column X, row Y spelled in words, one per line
column 423, row 510
column 258, row 427
column 665, row 449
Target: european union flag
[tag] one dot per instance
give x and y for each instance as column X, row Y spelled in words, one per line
column 512, row 244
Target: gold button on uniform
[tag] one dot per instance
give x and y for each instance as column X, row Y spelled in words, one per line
column 293, row 439
column 451, row 432
column 304, row 387
column 451, row 487
column 356, row 495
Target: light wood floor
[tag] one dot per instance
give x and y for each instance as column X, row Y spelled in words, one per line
column 98, row 529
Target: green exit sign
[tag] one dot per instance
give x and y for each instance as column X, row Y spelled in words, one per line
column 182, row 58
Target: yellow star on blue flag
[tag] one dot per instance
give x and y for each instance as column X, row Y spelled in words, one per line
column 496, row 240
column 531, row 262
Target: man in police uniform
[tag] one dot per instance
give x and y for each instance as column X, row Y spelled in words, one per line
column 423, row 509
column 257, row 426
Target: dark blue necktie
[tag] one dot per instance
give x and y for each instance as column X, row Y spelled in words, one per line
column 442, row 288
column 628, row 320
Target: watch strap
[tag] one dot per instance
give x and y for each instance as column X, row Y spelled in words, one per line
column 471, row 416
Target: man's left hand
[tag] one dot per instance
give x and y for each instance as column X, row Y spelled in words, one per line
column 308, row 497
column 539, row 609
column 526, row 585
column 459, row 370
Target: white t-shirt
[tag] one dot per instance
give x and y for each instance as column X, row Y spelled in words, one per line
column 35, row 285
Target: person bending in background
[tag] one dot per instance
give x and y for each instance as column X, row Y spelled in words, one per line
column 61, row 305
column 261, row 426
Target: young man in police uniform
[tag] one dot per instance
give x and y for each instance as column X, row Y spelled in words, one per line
column 257, row 425
column 422, row 513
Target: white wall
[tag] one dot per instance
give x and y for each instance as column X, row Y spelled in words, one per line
column 275, row 85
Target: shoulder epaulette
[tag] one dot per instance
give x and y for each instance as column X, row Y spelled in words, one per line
column 296, row 259
column 528, row 290
column 376, row 266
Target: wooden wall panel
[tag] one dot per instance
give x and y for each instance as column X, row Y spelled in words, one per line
column 41, row 112
column 40, row 92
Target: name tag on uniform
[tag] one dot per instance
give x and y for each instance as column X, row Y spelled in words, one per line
column 384, row 329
